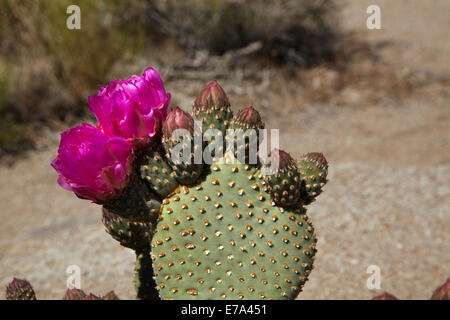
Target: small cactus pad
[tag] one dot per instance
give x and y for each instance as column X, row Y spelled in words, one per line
column 158, row 174
column 225, row 239
column 246, row 124
column 284, row 185
column 185, row 169
column 212, row 108
column 130, row 233
column 313, row 169
column 19, row 289
column 136, row 202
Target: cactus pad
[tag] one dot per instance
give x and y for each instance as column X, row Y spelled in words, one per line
column 313, row 170
column 158, row 174
column 225, row 238
column 130, row 233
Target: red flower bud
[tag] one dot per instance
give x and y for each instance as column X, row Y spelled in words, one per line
column 443, row 292
column 92, row 297
column 110, row 296
column 249, row 118
column 212, row 97
column 177, row 119
column 318, row 158
column 74, row 294
column 285, row 161
column 19, row 289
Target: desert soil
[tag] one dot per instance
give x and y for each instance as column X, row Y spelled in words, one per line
column 387, row 202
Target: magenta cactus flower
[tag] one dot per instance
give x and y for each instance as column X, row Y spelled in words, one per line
column 92, row 164
column 134, row 108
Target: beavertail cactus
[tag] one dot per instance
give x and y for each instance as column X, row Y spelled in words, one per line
column 206, row 220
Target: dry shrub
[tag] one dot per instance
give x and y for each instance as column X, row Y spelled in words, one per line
column 75, row 61
column 51, row 69
column 301, row 32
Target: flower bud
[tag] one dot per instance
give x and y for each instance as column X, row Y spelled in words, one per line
column 443, row 292
column 318, row 158
column 19, row 289
column 74, row 294
column 284, row 159
column 212, row 97
column 313, row 169
column 248, row 118
column 177, row 119
column 284, row 184
column 180, row 148
column 92, row 296
column 110, row 296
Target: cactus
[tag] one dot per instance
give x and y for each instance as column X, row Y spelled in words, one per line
column 19, row 289
column 234, row 233
column 313, row 169
column 74, row 294
column 234, row 227
column 440, row 293
column 77, row 294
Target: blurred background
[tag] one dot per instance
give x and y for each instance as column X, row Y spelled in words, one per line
column 375, row 102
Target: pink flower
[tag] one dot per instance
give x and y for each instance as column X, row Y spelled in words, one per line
column 91, row 164
column 133, row 108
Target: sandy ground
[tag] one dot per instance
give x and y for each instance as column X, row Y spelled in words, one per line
column 387, row 202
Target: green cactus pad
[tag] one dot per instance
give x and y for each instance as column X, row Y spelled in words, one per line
column 130, row 233
column 313, row 170
column 214, row 119
column 186, row 172
column 225, row 239
column 158, row 174
column 284, row 185
column 244, row 120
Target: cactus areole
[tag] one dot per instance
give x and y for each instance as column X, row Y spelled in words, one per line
column 221, row 229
